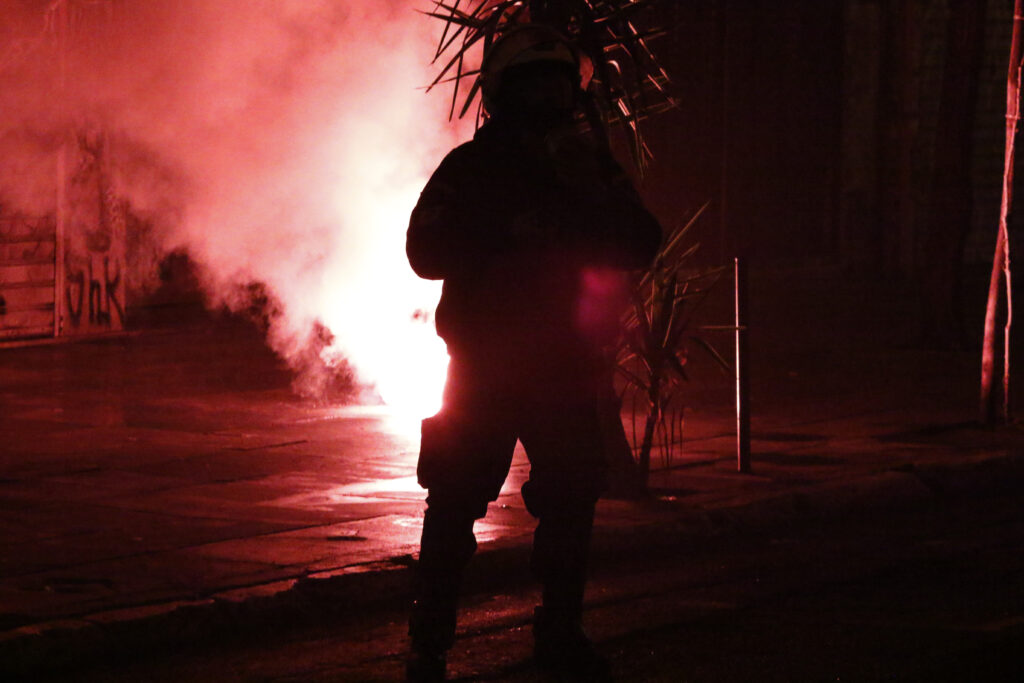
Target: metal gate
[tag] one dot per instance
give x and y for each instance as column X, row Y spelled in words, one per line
column 28, row 267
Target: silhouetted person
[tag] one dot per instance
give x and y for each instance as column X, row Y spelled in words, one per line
column 522, row 223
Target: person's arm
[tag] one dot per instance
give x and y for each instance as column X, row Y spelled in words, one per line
column 445, row 229
column 625, row 234
column 608, row 216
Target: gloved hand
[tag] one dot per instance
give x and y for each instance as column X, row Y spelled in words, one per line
column 540, row 227
column 577, row 161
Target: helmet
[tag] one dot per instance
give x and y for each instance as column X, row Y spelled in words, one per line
column 524, row 44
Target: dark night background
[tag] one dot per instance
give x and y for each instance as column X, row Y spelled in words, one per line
column 831, row 135
column 189, row 499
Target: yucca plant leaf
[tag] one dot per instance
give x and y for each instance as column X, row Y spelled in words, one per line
column 636, row 145
column 455, row 89
column 636, row 339
column 626, row 355
column 471, row 39
column 664, row 307
column 722, row 362
column 711, row 274
column 679, row 261
column 443, row 47
column 693, row 294
column 452, row 79
column 653, row 304
column 635, row 343
column 447, row 67
column 470, row 97
column 641, row 39
column 676, row 337
column 640, row 310
column 458, row 21
column 700, row 300
column 673, row 362
column 453, row 11
column 660, row 87
column 623, row 11
column 679, row 233
column 659, row 285
column 650, row 365
column 633, row 379
column 628, row 114
column 675, row 315
column 673, row 239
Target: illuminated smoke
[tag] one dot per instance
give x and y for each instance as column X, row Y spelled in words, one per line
column 281, row 142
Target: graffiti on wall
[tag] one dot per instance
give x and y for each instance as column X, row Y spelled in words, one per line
column 94, row 242
column 93, row 298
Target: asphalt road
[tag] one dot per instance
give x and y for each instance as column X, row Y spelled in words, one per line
column 929, row 594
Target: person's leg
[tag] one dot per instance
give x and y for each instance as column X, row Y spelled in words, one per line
column 561, row 548
column 464, row 458
column 446, row 546
column 567, row 475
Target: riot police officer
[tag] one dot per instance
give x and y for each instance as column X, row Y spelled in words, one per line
column 520, row 223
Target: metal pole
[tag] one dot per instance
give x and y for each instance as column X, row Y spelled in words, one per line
column 742, row 372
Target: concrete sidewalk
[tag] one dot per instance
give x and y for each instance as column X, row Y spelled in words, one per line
column 175, row 469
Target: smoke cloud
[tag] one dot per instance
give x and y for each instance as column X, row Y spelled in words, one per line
column 281, row 142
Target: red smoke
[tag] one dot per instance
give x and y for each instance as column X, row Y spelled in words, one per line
column 278, row 141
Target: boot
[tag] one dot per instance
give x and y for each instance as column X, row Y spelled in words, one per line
column 425, row 666
column 561, row 647
column 445, row 548
column 431, row 635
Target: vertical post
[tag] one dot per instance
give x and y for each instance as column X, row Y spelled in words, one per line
column 742, row 372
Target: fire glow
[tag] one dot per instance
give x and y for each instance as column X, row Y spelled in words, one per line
column 396, row 348
column 283, row 143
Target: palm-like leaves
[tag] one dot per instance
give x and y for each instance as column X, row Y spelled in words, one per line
column 658, row 332
column 628, row 85
column 628, row 82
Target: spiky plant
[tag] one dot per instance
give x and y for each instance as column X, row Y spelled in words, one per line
column 658, row 333
column 628, row 83
column 625, row 85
